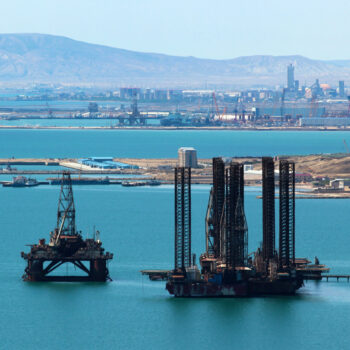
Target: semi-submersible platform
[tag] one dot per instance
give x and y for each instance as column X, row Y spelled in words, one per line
column 66, row 245
column 226, row 268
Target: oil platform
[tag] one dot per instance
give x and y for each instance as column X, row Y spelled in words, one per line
column 226, row 268
column 66, row 245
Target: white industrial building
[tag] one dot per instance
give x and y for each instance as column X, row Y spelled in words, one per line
column 187, row 157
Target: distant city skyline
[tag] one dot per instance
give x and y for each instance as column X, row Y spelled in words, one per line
column 222, row 30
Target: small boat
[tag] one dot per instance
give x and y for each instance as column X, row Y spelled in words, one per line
column 9, row 169
column 133, row 183
column 153, row 183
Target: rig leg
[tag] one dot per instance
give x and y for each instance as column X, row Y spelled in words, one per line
column 34, row 270
column 98, row 270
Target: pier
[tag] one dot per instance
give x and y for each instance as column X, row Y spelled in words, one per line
column 337, row 277
column 156, row 275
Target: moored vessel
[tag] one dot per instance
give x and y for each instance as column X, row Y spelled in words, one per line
column 22, row 181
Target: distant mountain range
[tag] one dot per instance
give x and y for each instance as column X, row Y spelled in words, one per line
column 39, row 58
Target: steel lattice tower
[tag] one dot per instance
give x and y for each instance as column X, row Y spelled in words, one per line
column 268, row 195
column 182, row 218
column 215, row 208
column 240, row 232
column 287, row 214
column 234, row 226
column 66, row 209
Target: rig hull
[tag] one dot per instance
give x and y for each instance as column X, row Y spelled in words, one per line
column 87, row 256
column 206, row 290
column 276, row 287
column 233, row 290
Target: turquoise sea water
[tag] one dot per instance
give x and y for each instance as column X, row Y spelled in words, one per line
column 164, row 144
column 133, row 313
column 59, row 104
column 136, row 224
column 78, row 123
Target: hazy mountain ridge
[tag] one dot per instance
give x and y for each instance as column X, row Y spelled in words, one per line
column 46, row 58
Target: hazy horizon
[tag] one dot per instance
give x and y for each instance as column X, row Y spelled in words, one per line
column 202, row 29
column 166, row 54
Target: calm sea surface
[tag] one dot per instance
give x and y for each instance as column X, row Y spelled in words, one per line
column 136, row 224
column 164, row 144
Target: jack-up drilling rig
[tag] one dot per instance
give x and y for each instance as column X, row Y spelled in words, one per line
column 67, row 246
column 226, row 269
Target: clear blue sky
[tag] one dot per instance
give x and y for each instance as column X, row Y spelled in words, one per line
column 210, row 29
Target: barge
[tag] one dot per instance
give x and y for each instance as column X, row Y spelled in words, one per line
column 85, row 181
column 141, row 183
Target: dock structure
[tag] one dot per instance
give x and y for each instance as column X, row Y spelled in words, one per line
column 337, row 277
column 66, row 246
column 310, row 271
column 156, row 275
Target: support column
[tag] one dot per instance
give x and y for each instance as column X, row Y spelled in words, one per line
column 182, row 218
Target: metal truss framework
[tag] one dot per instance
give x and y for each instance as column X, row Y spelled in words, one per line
column 268, row 198
column 215, row 209
column 66, row 209
column 182, row 218
column 234, row 226
column 287, row 214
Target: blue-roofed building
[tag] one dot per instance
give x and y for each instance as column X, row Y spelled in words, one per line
column 105, row 163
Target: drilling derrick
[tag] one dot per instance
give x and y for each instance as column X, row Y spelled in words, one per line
column 182, row 218
column 268, row 191
column 235, row 233
column 66, row 208
column 67, row 247
column 65, row 236
column 240, row 229
column 215, row 209
column 136, row 117
column 287, row 214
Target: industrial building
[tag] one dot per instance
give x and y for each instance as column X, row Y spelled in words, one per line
column 341, row 88
column 326, row 121
column 341, row 184
column 290, row 77
column 187, row 157
column 105, row 163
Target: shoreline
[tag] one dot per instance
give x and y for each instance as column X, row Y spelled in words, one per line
column 333, row 166
column 169, row 128
column 161, row 170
